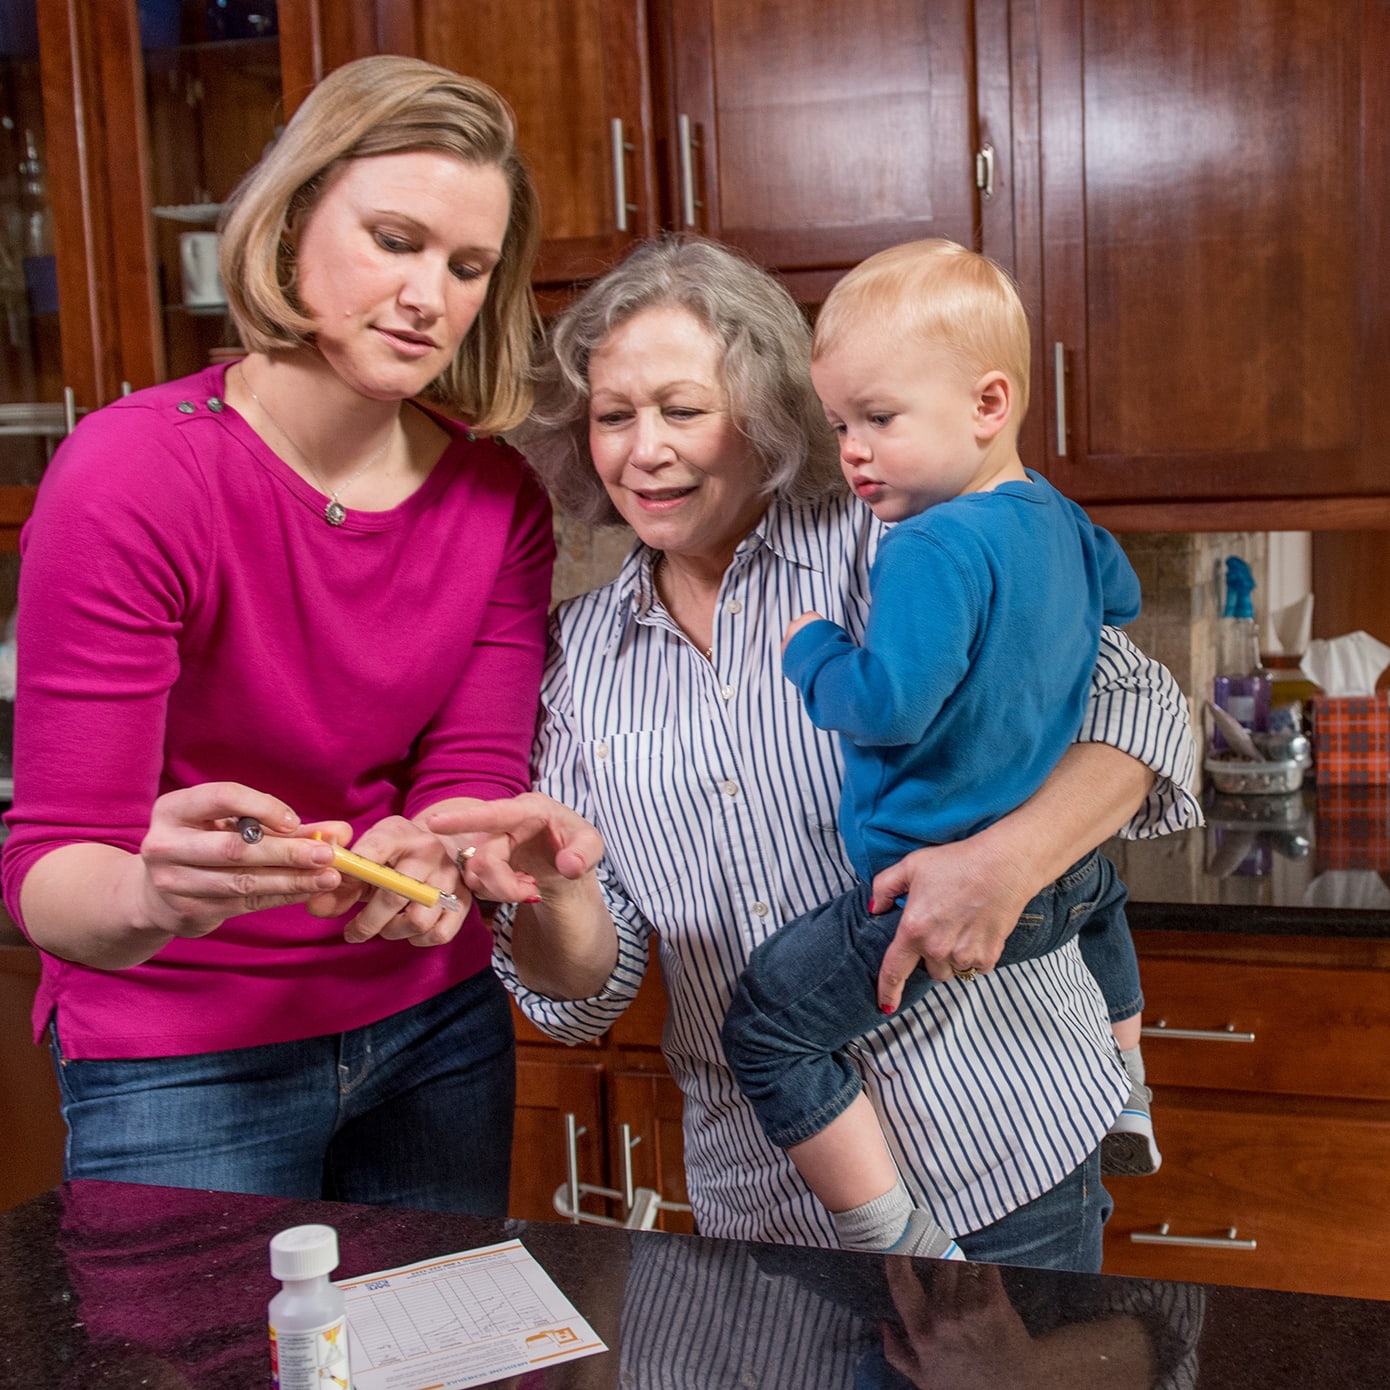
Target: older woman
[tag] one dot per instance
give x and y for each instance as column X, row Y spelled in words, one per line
column 677, row 398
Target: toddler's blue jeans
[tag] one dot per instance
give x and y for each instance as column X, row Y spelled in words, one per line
column 811, row 988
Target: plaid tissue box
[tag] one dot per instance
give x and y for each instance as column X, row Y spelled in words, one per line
column 1351, row 739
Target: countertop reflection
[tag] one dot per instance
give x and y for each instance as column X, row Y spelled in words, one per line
column 113, row 1285
column 1315, row 861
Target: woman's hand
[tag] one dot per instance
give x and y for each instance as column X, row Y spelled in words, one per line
column 963, row 900
column 198, row 870
column 964, row 1333
column 521, row 850
column 106, row 907
column 409, row 848
column 533, row 850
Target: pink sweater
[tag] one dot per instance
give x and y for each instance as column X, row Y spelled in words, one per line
column 187, row 616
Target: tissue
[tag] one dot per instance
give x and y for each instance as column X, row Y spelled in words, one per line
column 1348, row 665
column 1351, row 723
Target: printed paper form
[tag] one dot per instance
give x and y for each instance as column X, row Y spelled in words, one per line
column 460, row 1320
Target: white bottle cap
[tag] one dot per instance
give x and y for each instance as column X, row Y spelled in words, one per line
column 304, row 1252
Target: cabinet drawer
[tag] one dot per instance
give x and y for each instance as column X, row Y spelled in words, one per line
column 1304, row 1180
column 1317, row 1031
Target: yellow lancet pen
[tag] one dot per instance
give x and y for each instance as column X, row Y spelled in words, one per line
column 379, row 876
column 355, row 866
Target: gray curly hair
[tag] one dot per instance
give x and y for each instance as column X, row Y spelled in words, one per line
column 765, row 351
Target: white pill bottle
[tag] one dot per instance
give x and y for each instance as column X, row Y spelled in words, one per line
column 308, row 1318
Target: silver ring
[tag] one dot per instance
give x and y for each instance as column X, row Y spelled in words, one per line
column 464, row 855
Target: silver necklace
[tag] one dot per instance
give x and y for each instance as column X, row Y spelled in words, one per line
column 334, row 513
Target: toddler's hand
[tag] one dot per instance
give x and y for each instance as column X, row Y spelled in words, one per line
column 796, row 625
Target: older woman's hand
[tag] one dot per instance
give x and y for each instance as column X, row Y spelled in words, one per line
column 963, row 900
column 518, row 850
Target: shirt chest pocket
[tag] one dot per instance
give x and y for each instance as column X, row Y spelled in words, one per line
column 645, row 806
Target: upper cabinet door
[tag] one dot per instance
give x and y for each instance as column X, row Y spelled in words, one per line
column 575, row 73
column 1215, row 229
column 812, row 133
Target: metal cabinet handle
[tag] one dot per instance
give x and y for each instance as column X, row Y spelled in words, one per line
column 688, row 145
column 984, row 170
column 1227, row 1034
column 621, row 206
column 641, row 1205
column 1161, row 1237
column 69, row 410
column 1059, row 373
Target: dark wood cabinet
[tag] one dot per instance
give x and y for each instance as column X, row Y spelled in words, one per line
column 811, row 133
column 139, row 132
column 1268, row 1060
column 576, row 72
column 620, row 1103
column 30, row 1116
column 1214, row 287
column 808, row 133
column 1193, row 196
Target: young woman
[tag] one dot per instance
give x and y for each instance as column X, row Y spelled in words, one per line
column 284, row 591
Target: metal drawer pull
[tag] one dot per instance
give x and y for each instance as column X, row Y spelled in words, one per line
column 688, row 144
column 984, row 170
column 1226, row 1034
column 642, row 1204
column 621, row 206
column 1161, row 1237
column 1059, row 375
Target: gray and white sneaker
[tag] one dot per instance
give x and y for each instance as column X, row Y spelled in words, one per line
column 1128, row 1148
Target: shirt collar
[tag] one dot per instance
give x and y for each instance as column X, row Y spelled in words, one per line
column 786, row 529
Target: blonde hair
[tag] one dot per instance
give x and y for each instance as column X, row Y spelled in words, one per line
column 941, row 296
column 388, row 104
column 764, row 347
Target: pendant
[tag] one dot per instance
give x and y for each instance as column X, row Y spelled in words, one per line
column 335, row 513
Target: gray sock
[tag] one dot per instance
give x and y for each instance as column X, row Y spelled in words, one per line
column 892, row 1223
column 1134, row 1063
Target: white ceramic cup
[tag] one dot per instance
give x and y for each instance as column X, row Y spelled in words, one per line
column 202, row 285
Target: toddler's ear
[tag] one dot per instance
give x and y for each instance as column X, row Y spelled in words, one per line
column 994, row 403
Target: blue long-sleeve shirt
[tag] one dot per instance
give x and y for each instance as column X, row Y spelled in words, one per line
column 975, row 668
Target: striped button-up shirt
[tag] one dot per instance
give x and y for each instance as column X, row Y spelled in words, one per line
column 717, row 801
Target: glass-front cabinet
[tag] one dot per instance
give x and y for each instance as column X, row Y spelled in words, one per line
column 32, row 408
column 124, row 126
column 213, row 103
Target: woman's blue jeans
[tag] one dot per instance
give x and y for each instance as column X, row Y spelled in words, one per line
column 412, row 1111
column 812, row 987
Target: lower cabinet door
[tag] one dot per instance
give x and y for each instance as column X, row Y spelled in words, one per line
column 650, row 1103
column 548, row 1088
column 30, row 1118
column 1280, row 1192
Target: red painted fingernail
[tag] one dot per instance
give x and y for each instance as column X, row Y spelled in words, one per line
column 886, row 1008
column 872, row 908
column 536, row 899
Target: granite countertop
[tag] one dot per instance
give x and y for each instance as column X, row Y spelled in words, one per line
column 115, row 1285
column 1310, row 862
